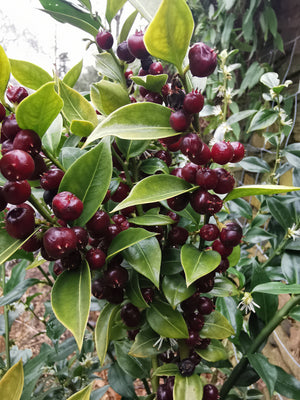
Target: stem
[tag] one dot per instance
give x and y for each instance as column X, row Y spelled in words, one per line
column 154, row 379
column 276, row 165
column 53, row 159
column 265, row 332
column 202, row 241
column 34, row 201
column 146, row 385
column 45, row 275
column 6, row 322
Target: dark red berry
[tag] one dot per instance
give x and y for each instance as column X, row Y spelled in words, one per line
column 128, row 73
column 59, row 242
column 178, row 203
column 67, row 206
column 189, row 172
column 10, row 127
column 224, row 251
column 123, row 52
column 99, row 288
column 116, row 276
column 206, row 178
column 168, row 357
column 164, row 156
column 96, row 258
column 231, row 234
column 3, row 202
column 238, row 152
column 186, row 367
column 72, row 260
column 203, row 60
column 176, row 145
column 175, row 217
column 121, row 193
column 143, row 91
column 179, row 121
column 34, row 243
column 205, row 305
column 193, row 102
column 136, row 45
column 118, row 219
column 114, row 295
column 191, row 145
column 113, row 231
column 196, row 322
column 98, row 224
column 58, row 268
column 142, row 72
column 209, row 232
column 210, row 392
column 203, row 157
column 130, row 315
column 148, row 294
column 223, row 266
column 193, row 338
column 2, row 112
column 39, row 167
column 16, row 192
column 146, row 62
column 7, row 146
column 162, row 392
column 17, row 165
column 206, row 283
column 16, row 94
column 27, row 140
column 104, row 40
column 82, row 237
column 156, row 68
column 178, row 236
column 19, row 221
column 203, row 344
column 222, row 152
column 131, row 334
column 165, row 90
column 154, row 98
column 194, row 357
column 50, row 180
column 177, row 172
column 205, row 203
column 48, row 196
column 225, row 181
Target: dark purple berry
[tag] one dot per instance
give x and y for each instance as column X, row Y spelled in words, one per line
column 193, row 102
column 231, row 234
column 224, row 251
column 210, row 392
column 148, row 294
column 178, row 203
column 209, row 232
column 27, row 140
column 3, row 202
column 10, row 127
column 186, row 367
column 130, row 315
column 98, row 224
column 104, row 40
column 121, row 193
column 203, row 60
column 82, row 237
column 72, row 260
column 178, row 236
column 2, row 112
column 189, row 172
column 164, row 156
column 225, row 181
column 123, row 52
column 116, row 276
column 136, row 45
column 50, row 180
column 96, row 258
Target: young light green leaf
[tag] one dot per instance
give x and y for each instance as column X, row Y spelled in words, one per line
column 81, row 128
column 11, row 385
column 147, row 9
column 197, row 263
column 38, row 111
column 263, row 119
column 214, row 352
column 73, row 74
column 83, row 394
column 127, row 27
column 70, row 299
column 154, row 83
column 112, row 7
column 52, row 136
column 107, row 66
column 4, row 73
column 216, row 327
column 168, row 369
column 28, row 74
column 175, row 289
column 108, row 96
column 277, row 288
column 188, row 387
column 253, row 190
column 168, row 35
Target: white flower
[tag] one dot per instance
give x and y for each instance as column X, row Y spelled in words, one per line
column 247, row 303
column 293, row 232
column 87, row 361
column 160, row 341
column 217, row 110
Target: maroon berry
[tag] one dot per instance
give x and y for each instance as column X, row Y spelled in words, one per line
column 203, row 60
column 39, row 167
column 98, row 224
column 186, row 367
column 203, row 157
column 191, row 146
column 207, row 178
column 121, row 193
column 196, row 322
column 164, row 156
column 7, row 146
column 238, row 152
column 206, row 283
column 180, row 121
column 205, row 203
column 143, row 91
column 48, row 196
column 131, row 334
column 154, row 98
column 3, row 202
column 96, row 258
column 2, row 112
column 16, row 192
column 231, row 234
column 136, row 45
column 67, row 206
column 193, row 338
column 142, row 72
column 116, row 276
column 19, row 221
column 16, row 94
column 27, row 140
column 162, row 392
column 222, row 152
column 224, row 251
column 123, row 52
column 72, row 260
column 165, row 90
column 59, row 242
column 99, row 288
column 203, row 344
column 215, row 204
column 114, row 295
column 58, row 268
column 194, row 357
column 118, row 219
column 193, row 102
column 113, row 231
column 128, row 73
column 17, row 165
column 82, row 237
column 104, row 40
column 205, row 305
column 175, row 217
column 34, row 243
column 189, row 172
column 178, row 236
column 178, row 203
column 148, row 294
column 210, row 392
column 223, row 266
column 10, row 127
column 130, row 315
column 50, row 180
column 156, row 68
column 209, row 232
column 225, row 181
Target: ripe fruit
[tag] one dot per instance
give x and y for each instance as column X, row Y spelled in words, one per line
column 196, row 322
column 39, row 167
column 203, row 60
column 209, row 232
column 205, row 203
column 191, row 146
column 104, row 40
column 178, row 235
column 164, row 156
column 207, row 178
column 82, row 237
column 51, row 179
column 95, row 258
column 136, row 45
column 225, row 181
column 186, row 367
column 178, row 203
column 16, row 192
column 3, row 202
column 98, row 224
column 27, row 140
column 193, row 102
column 116, row 276
column 19, row 221
column 231, row 234
column 223, row 266
column 72, row 260
column 156, row 68
column 17, row 165
column 16, row 94
column 34, row 243
column 10, row 127
column 189, row 172
column 130, row 315
column 238, row 152
column 148, row 294
column 205, row 305
column 59, row 242
column 146, row 62
column 224, row 251
column 123, row 52
column 154, row 98
column 180, row 121
column 67, row 206
column 222, row 152
column 2, row 112
column 210, row 392
column 7, row 146
column 121, row 193
column 162, row 392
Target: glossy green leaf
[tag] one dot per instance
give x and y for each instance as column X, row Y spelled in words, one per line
column 235, row 256
column 132, row 148
column 214, row 352
column 4, row 73
column 228, row 307
column 152, row 165
column 154, row 188
column 73, row 74
column 198, row 263
column 290, row 266
column 257, row 235
column 265, row 370
column 17, row 292
column 263, row 119
column 145, row 258
column 74, row 285
column 103, row 328
column 89, row 178
column 277, row 288
column 287, row 385
column 112, row 7
column 146, row 8
column 81, row 128
column 133, row 291
column 38, row 111
column 28, row 74
column 168, row 369
column 254, row 164
column 11, row 385
column 236, row 117
column 145, row 344
column 120, row 382
column 83, row 394
column 126, row 27
column 166, row 321
column 224, row 287
column 133, row 366
column 175, row 289
column 52, row 136
column 68, row 155
column 151, row 218
column 187, row 388
column 127, row 238
column 107, row 66
column 154, row 83
column 137, row 121
column 168, row 35
column 65, row 12
column 76, row 107
column 171, row 263
column 108, row 96
column 216, row 327
column 280, row 211
column 253, row 190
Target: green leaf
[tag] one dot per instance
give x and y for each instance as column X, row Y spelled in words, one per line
column 252, row 76
column 224, row 287
column 107, row 66
column 154, row 83
column 17, row 292
column 214, row 352
column 133, row 291
column 74, row 285
column 135, row 367
column 127, row 27
column 52, row 136
column 76, row 107
column 108, row 96
column 150, row 219
column 227, row 306
column 257, row 235
column 280, row 212
column 120, row 382
column 272, row 20
column 171, row 263
column 228, row 27
column 270, row 79
column 198, row 263
column 112, row 7
column 137, row 121
column 168, row 35
column 166, row 321
column 127, row 238
column 175, row 290
column 239, row 116
column 216, row 327
column 168, row 369
column 187, row 388
column 254, row 190
column 83, row 394
column 89, row 178
column 4, row 73
column 145, row 258
column 235, row 256
column 151, row 165
column 265, row 370
column 11, row 385
column 154, row 188
column 145, row 344
column 103, row 329
column 147, row 9
column 81, row 128
column 290, row 266
column 28, row 74
column 263, row 119
column 132, row 148
column 68, row 155
column 254, row 164
column 276, row 288
column 73, row 74
column 287, row 385
column 64, row 12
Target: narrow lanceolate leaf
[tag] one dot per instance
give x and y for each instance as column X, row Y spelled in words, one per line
column 137, row 121
column 168, row 35
column 214, row 352
column 73, row 74
column 188, row 387
column 216, row 327
column 108, row 96
column 165, row 321
column 83, row 394
column 135, row 367
column 198, row 263
column 155, row 188
column 38, row 111
column 28, row 74
column 253, row 190
column 277, row 288
column 265, row 370
column 76, row 107
column 127, row 26
column 4, row 73
column 88, row 178
column 103, row 328
column 11, row 385
column 70, row 299
column 112, row 7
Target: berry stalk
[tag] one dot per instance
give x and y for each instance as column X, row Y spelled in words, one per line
column 38, row 206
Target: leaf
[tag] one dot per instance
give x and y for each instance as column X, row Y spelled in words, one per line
column 107, row 66
column 17, row 292
column 252, row 76
column 144, row 344
column 112, row 7
column 216, row 326
column 254, row 190
column 120, row 382
column 4, row 73
column 74, row 285
column 154, row 188
column 254, row 164
column 287, row 385
column 68, row 155
column 154, row 83
column 38, row 110
column 169, row 33
column 81, row 128
column 272, row 20
column 214, row 352
column 276, row 288
column 76, row 107
column 127, row 27
column 227, row 306
column 290, row 266
column 166, row 321
column 270, row 79
column 133, row 291
column 168, row 369
column 108, row 96
column 89, row 178
column 135, row 367
column 187, row 388
column 103, row 329
column 257, row 235
column 151, row 165
column 151, row 219
column 132, row 148
column 146, row 8
column 263, row 119
column 265, row 370
column 52, row 136
column 126, row 239
column 28, row 74
column 73, row 74
column 171, row 263
column 239, row 116
column 175, row 290
column 137, row 121
column 11, row 385
column 280, row 212
column 198, row 263
column 224, row 287
column 145, row 258
column 228, row 27
column 83, row 394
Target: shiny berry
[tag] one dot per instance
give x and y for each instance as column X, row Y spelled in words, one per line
column 178, row 236
column 203, row 157
column 148, row 294
column 196, row 322
column 146, row 62
column 205, row 305
column 210, row 392
column 34, row 243
column 193, row 102
column 39, row 167
column 72, row 260
column 27, row 140
column 59, row 242
column 10, row 127
column 191, row 146
column 164, row 156
column 136, row 45
column 19, row 221
column 238, row 152
column 130, row 315
column 114, row 295
column 16, row 192
column 3, row 202
column 162, row 392
column 209, row 232
column 48, row 196
column 202, row 59
column 178, row 203
column 123, row 52
column 175, row 217
column 82, row 237
column 194, row 357
column 193, row 338
column 189, row 172
column 222, row 152
column 121, row 193
column 231, row 234
column 67, row 206
column 224, row 251
column 104, row 40
column 179, row 121
column 98, row 224
column 131, row 334
column 223, row 266
column 50, row 180
column 7, row 146
column 128, row 73
column 186, row 367
column 116, row 276
column 203, row 344
column 96, row 258
column 225, row 181
column 156, row 68
column 113, row 231
column 2, row 112
column 17, row 165
column 99, row 288
column 58, row 268
column 205, row 203
column 16, row 94
column 206, row 283
column 206, row 178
